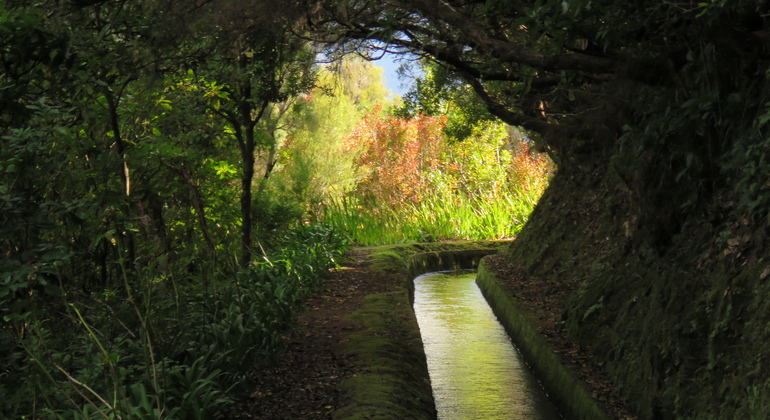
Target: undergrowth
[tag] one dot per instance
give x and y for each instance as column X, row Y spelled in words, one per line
column 152, row 351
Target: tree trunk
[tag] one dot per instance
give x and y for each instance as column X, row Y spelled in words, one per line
column 246, row 182
column 124, row 235
column 200, row 209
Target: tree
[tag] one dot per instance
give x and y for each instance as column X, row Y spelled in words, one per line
column 260, row 65
column 602, row 83
column 541, row 66
column 439, row 91
column 319, row 162
column 117, row 190
column 84, row 72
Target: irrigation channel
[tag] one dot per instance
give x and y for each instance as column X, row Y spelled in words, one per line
column 475, row 370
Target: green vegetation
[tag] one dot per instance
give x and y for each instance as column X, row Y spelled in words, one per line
column 156, row 349
column 155, row 156
column 131, row 283
column 417, row 187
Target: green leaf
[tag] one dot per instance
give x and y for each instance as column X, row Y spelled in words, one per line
column 111, row 358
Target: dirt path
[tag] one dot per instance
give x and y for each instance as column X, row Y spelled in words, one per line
column 304, row 381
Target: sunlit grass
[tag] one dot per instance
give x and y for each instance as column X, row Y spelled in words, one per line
column 436, row 217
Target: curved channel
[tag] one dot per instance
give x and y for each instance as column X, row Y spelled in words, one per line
column 475, row 370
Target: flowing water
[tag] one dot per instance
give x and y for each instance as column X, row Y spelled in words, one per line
column 475, row 370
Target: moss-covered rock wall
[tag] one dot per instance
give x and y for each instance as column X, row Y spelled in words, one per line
column 680, row 324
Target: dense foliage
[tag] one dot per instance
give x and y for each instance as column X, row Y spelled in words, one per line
column 416, row 185
column 130, row 128
column 129, row 134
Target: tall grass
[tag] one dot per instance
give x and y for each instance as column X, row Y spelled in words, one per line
column 438, row 216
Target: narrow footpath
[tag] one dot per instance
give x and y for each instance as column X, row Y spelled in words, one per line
column 303, row 383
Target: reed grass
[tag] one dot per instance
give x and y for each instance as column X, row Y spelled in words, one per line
column 438, row 216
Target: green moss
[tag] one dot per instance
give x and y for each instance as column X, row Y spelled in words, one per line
column 393, row 376
column 401, row 258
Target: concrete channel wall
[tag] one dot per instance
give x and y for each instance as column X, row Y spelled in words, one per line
column 569, row 394
column 429, row 262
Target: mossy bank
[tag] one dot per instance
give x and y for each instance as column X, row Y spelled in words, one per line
column 680, row 319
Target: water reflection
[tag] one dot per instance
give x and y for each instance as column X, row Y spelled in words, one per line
column 475, row 371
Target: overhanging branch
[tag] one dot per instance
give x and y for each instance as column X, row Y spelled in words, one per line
column 506, row 51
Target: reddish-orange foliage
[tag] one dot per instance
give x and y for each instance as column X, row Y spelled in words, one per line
column 529, row 170
column 399, row 155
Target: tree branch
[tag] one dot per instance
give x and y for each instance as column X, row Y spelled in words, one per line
column 507, row 51
column 501, row 111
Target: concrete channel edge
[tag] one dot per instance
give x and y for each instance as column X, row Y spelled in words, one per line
column 569, row 394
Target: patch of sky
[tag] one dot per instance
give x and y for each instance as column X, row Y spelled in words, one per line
column 399, row 70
